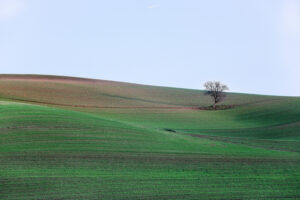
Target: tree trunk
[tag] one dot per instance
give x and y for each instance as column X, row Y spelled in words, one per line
column 214, row 106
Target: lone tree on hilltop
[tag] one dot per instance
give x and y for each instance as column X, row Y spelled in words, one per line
column 215, row 89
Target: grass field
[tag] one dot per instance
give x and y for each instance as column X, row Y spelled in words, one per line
column 71, row 138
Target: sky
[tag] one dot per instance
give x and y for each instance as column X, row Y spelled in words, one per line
column 253, row 46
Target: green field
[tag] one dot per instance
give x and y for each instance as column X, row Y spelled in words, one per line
column 71, row 138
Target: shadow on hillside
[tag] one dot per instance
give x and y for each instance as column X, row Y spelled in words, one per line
column 218, row 107
column 169, row 130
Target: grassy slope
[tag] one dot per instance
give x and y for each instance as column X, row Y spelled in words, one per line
column 272, row 124
column 93, row 153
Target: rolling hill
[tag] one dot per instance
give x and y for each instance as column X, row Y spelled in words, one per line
column 75, row 138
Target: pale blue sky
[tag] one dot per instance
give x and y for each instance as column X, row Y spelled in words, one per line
column 252, row 45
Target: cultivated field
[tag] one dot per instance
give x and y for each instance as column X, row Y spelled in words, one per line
column 71, row 138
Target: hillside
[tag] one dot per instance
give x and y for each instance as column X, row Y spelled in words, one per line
column 79, row 92
column 74, row 138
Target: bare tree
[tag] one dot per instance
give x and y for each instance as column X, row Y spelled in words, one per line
column 215, row 89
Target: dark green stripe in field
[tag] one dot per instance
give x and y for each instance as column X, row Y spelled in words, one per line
column 146, row 176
